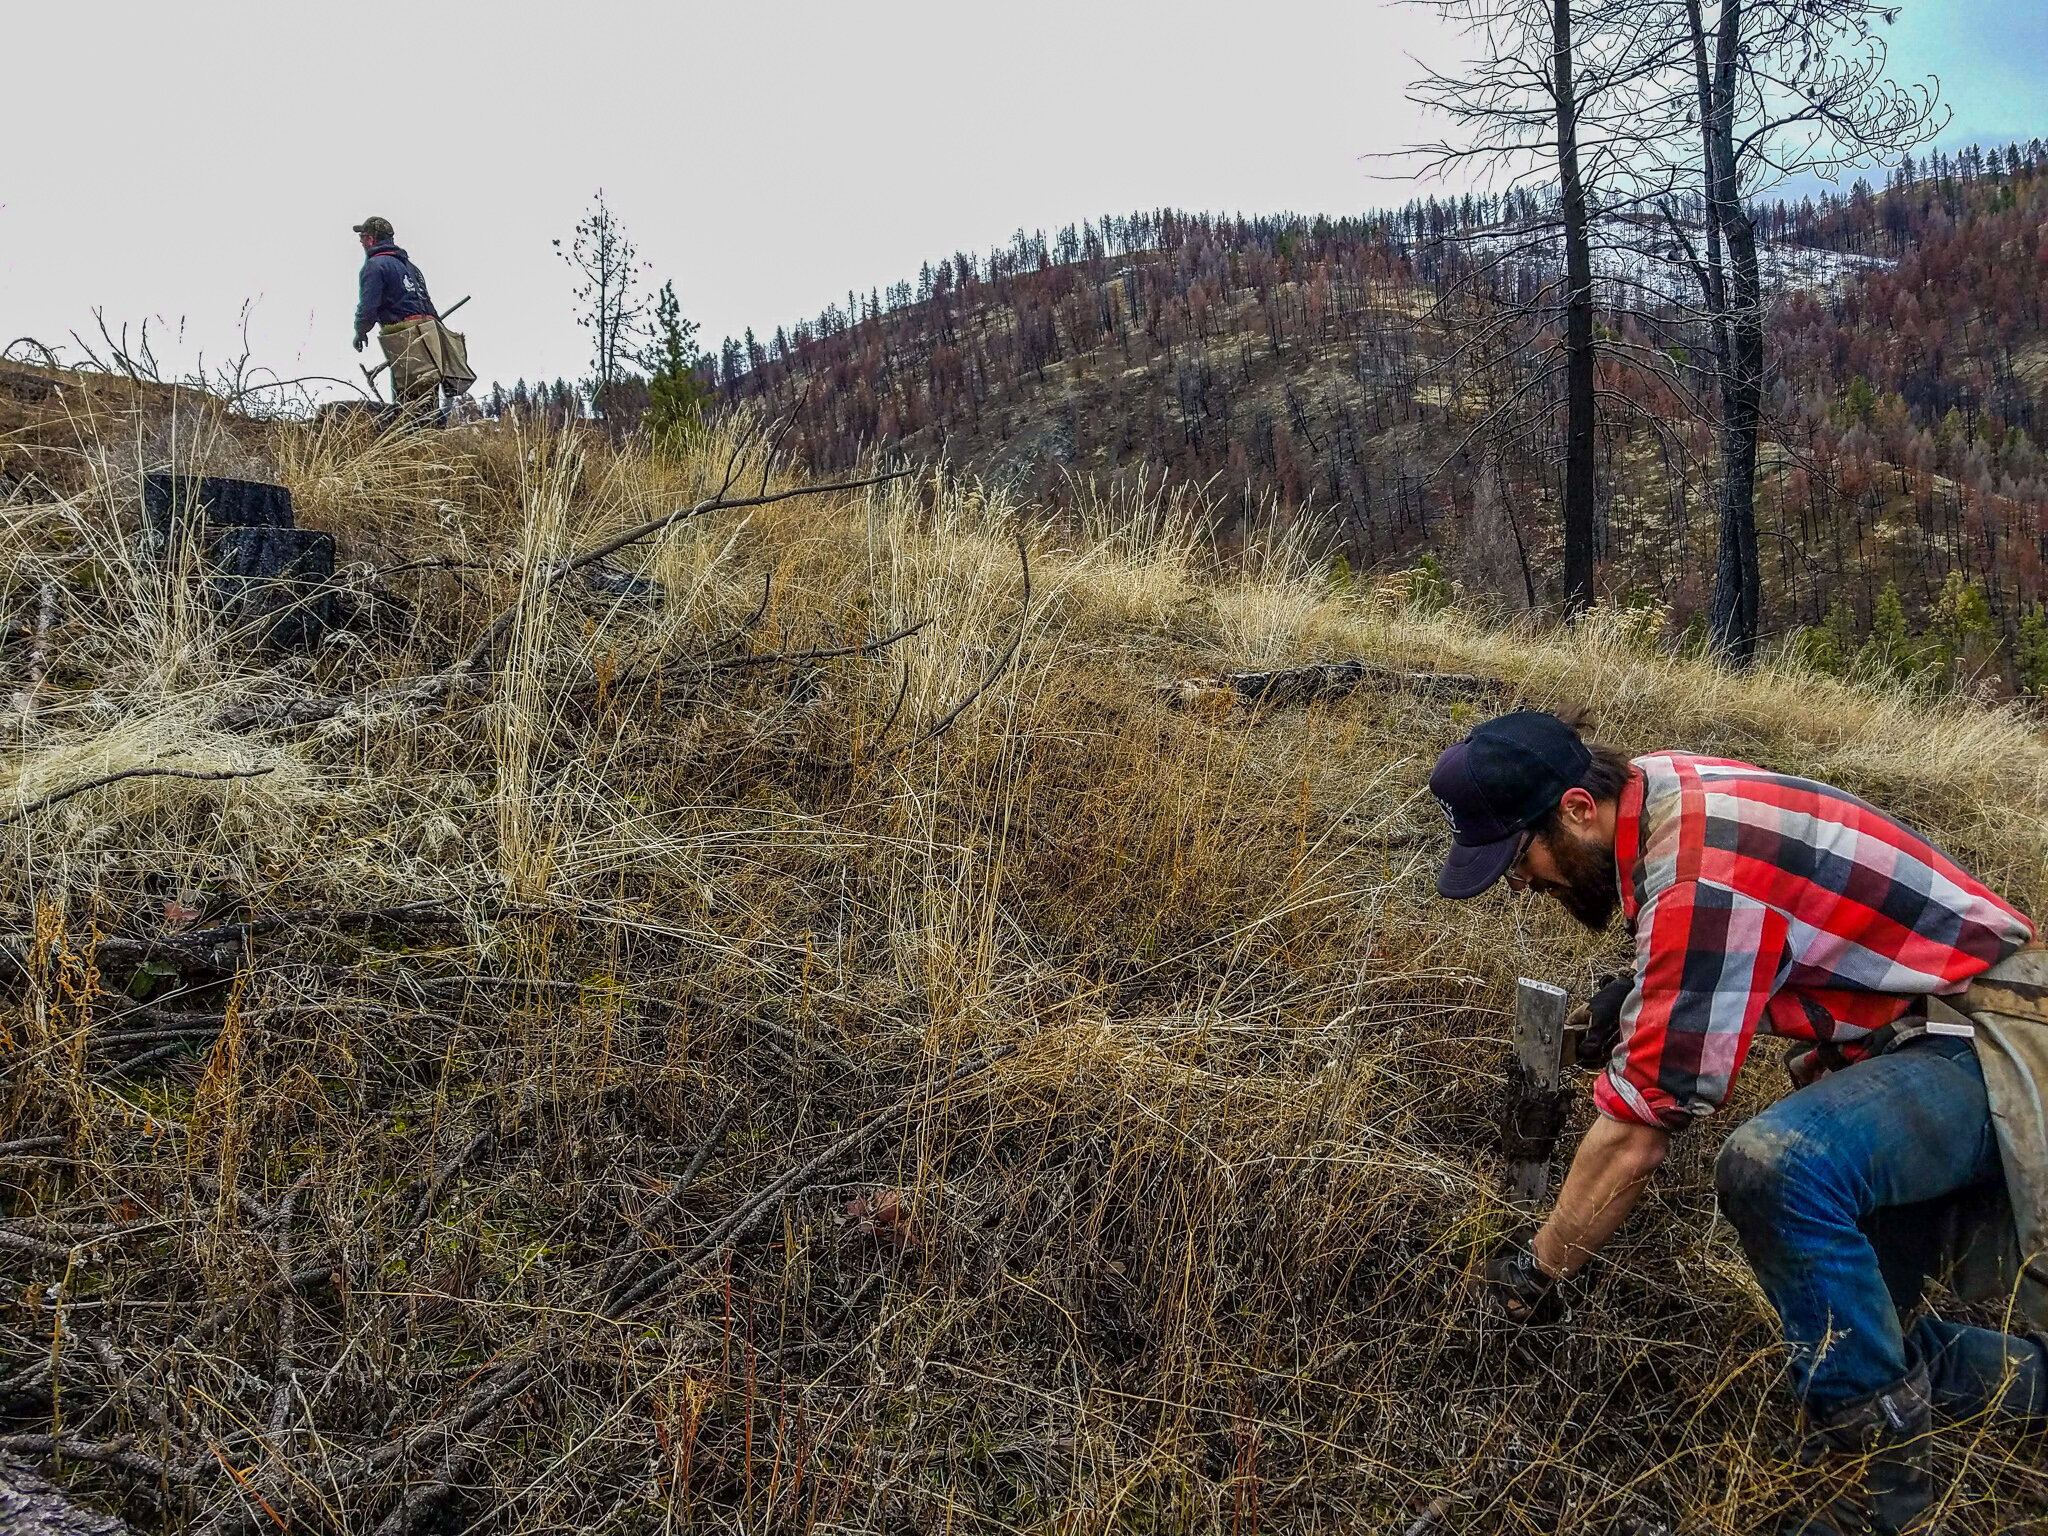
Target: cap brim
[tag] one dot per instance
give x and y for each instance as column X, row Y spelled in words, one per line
column 1470, row 870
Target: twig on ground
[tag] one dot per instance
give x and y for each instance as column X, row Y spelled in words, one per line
column 889, row 724
column 670, row 1203
column 756, row 1209
column 1321, row 680
column 945, row 721
column 287, row 1314
column 113, row 1453
column 202, row 939
column 24, row 812
column 36, row 1248
column 447, row 1173
column 686, row 669
column 498, row 628
column 772, row 658
column 136, row 1064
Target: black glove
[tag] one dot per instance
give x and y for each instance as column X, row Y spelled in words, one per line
column 1803, row 1064
column 1528, row 1119
column 1601, row 1014
column 360, row 341
column 1517, row 1286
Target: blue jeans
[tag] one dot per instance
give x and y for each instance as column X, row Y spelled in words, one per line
column 1838, row 1193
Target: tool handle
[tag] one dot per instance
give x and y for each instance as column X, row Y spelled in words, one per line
column 1539, row 1042
column 453, row 307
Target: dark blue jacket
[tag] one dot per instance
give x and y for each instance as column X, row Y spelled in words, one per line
column 392, row 289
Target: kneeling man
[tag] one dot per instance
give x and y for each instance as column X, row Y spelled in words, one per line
column 1762, row 902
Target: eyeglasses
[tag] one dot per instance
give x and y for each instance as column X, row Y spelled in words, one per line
column 1517, row 881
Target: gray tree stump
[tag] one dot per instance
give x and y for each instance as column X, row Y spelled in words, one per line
column 32, row 1506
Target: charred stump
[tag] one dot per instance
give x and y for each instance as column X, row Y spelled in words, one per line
column 270, row 579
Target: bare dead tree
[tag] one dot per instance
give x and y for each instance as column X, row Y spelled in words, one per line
column 608, row 298
column 1545, row 95
column 1772, row 90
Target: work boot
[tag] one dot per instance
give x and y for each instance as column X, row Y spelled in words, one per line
column 1890, row 1433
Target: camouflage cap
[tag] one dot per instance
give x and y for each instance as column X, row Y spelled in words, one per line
column 375, row 228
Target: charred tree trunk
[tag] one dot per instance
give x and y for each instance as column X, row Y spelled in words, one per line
column 1711, row 278
column 1578, row 344
column 1735, row 617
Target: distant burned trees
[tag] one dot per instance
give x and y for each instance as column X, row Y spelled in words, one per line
column 1312, row 327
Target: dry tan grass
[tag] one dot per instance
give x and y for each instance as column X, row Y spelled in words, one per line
column 1191, row 1257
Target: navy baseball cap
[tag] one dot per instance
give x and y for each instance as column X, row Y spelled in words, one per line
column 1496, row 784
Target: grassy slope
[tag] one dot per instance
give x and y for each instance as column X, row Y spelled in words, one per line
column 1191, row 1258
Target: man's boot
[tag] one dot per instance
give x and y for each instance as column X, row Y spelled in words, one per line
column 1890, row 1433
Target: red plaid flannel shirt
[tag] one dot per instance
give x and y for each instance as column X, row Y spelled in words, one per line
column 1760, row 901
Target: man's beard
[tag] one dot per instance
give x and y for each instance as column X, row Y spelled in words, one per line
column 1589, row 889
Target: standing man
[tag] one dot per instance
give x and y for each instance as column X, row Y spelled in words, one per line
column 1758, row 901
column 394, row 299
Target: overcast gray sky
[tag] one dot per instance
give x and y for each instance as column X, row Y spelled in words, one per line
column 174, row 160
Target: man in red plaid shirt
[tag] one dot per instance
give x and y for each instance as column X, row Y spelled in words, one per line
column 1762, row 902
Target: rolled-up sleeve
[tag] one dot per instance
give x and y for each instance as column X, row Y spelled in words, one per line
column 1707, row 961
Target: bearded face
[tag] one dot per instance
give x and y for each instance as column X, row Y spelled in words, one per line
column 1587, row 886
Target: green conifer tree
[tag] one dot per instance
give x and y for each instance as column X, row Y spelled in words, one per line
column 675, row 395
column 1888, row 653
column 1862, row 401
column 2030, row 654
column 1959, row 625
column 1429, row 589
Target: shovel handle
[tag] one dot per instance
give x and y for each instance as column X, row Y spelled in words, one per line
column 1539, row 1042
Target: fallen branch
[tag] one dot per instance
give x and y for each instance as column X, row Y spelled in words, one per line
column 36, row 1248
column 687, row 669
column 26, row 811
column 502, row 624
column 671, row 1202
column 207, row 1026
column 757, row 1209
column 419, row 1502
column 287, row 1314
column 889, row 724
column 1304, row 685
column 773, row 658
column 446, row 1174
column 945, row 722
column 32, row 1506
column 203, row 939
column 135, row 1064
column 113, row 1453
